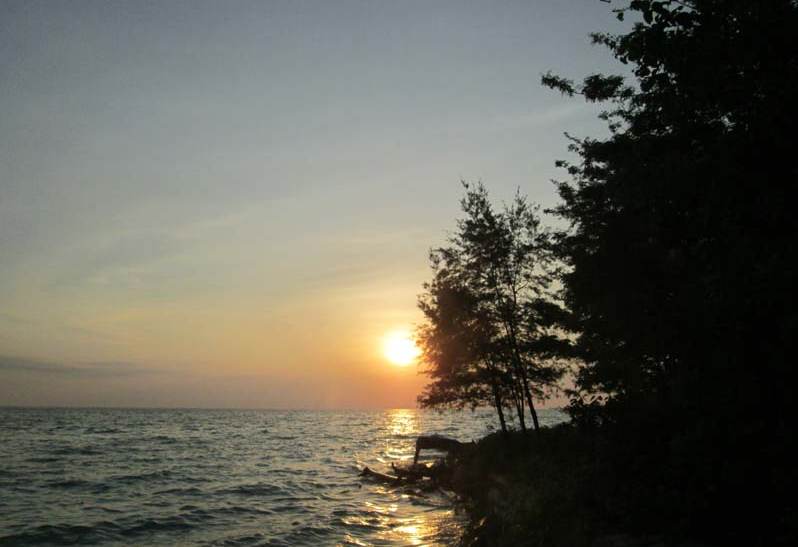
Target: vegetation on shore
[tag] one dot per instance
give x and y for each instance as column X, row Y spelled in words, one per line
column 671, row 295
column 571, row 486
column 544, row 490
column 491, row 336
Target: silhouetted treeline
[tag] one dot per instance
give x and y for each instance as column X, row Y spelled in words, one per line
column 491, row 334
column 680, row 276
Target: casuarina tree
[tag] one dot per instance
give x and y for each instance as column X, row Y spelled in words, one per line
column 490, row 334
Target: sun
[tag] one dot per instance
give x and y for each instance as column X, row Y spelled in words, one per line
column 400, row 349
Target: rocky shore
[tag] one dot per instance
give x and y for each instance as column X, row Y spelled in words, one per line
column 553, row 490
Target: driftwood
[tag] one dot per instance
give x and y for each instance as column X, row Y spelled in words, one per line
column 436, row 442
column 417, row 471
column 404, row 475
column 380, row 476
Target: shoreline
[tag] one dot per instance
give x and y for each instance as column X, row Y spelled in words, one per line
column 549, row 491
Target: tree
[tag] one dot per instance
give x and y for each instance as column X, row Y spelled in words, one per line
column 489, row 334
column 682, row 280
column 457, row 344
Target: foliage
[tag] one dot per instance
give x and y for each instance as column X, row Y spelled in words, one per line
column 682, row 279
column 489, row 335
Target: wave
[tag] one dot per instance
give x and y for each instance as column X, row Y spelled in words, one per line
column 76, row 451
column 254, row 490
column 70, row 483
column 242, row 541
column 153, row 475
column 190, row 491
column 64, row 534
column 163, row 478
column 104, row 531
column 102, row 430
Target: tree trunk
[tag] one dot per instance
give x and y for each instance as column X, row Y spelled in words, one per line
column 532, row 410
column 519, row 407
column 519, row 366
column 497, row 399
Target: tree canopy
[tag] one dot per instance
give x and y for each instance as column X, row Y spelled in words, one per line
column 489, row 335
column 682, row 228
column 677, row 279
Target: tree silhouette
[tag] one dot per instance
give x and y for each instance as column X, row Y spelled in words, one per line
column 682, row 279
column 490, row 330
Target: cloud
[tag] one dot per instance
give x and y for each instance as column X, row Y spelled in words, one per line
column 116, row 256
column 12, row 322
column 11, row 363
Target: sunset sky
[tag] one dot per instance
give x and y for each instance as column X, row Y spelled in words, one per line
column 229, row 204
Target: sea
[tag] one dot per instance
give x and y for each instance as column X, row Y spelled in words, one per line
column 157, row 477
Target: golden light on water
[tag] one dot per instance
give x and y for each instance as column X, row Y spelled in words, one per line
column 400, row 349
column 399, row 515
column 417, row 530
column 403, row 422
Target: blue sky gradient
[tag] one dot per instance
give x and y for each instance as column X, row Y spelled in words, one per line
column 242, row 194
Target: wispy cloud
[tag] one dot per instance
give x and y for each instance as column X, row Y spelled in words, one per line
column 11, row 363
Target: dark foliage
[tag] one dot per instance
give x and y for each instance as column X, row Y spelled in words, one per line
column 489, row 336
column 682, row 279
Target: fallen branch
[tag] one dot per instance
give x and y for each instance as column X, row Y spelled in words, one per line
column 380, row 476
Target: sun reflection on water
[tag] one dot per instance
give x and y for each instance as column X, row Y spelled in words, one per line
column 403, row 515
column 417, row 531
column 411, row 533
column 402, row 422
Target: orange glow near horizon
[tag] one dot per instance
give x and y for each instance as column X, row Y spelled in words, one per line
column 400, row 349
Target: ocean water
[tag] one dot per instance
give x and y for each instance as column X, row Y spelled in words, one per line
column 221, row 477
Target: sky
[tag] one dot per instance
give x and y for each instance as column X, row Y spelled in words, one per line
column 230, row 204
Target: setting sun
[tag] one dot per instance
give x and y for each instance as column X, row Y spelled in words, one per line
column 400, row 349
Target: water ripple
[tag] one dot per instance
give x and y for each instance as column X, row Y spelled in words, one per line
column 219, row 478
